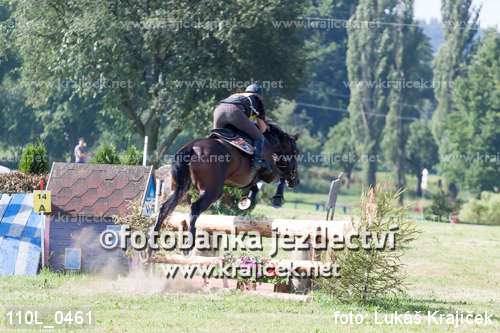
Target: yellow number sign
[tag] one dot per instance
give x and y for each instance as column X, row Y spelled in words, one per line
column 41, row 202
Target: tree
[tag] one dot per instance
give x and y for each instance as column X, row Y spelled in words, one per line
column 471, row 135
column 421, row 151
column 442, row 205
column 326, row 41
column 17, row 121
column 367, row 271
column 340, row 148
column 433, row 28
column 34, row 160
column 460, row 24
column 291, row 122
column 369, row 57
column 412, row 59
column 159, row 63
column 57, row 122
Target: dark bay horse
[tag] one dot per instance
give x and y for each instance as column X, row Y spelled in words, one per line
column 209, row 164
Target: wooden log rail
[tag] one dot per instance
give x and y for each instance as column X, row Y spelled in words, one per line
column 264, row 226
column 176, row 259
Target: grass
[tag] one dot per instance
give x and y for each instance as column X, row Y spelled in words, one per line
column 450, row 268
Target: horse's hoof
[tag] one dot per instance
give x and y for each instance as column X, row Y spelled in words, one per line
column 277, row 201
column 244, row 203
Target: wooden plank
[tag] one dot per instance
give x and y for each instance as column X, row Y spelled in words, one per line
column 176, row 259
column 265, row 227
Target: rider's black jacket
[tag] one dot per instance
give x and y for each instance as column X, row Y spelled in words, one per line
column 251, row 103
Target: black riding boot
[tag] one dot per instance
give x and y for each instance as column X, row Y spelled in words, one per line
column 258, row 161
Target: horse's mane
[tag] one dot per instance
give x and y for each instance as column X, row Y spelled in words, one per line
column 274, row 128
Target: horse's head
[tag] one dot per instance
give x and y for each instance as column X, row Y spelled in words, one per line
column 286, row 154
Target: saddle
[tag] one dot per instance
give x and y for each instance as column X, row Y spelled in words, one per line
column 235, row 138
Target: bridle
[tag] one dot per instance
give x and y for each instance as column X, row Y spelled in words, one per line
column 283, row 162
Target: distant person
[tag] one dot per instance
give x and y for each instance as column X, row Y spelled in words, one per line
column 80, row 151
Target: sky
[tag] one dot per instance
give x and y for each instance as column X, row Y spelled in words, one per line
column 489, row 17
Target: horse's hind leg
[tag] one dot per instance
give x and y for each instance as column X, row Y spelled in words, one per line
column 199, row 206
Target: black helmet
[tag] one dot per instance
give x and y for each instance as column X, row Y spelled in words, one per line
column 254, row 88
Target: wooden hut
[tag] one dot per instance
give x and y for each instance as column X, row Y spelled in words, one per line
column 85, row 197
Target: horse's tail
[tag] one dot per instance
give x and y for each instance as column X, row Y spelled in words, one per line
column 181, row 181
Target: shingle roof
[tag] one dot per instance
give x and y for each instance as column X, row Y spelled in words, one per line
column 98, row 190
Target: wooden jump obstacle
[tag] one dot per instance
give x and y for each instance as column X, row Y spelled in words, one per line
column 302, row 260
column 264, row 226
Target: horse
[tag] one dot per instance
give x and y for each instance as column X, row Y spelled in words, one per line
column 210, row 164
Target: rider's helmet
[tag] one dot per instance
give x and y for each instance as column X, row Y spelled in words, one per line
column 254, row 89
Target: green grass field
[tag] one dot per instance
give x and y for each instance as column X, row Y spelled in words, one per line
column 450, row 268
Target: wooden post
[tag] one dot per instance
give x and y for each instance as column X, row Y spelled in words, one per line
column 332, row 197
column 145, row 151
column 297, row 284
column 212, row 252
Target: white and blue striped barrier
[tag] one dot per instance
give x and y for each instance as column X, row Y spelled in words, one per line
column 20, row 235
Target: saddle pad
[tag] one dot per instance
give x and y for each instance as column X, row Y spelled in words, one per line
column 234, row 140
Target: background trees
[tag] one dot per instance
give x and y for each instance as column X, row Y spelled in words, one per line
column 460, row 25
column 369, row 57
column 421, row 151
column 346, row 74
column 471, row 135
column 149, row 63
column 339, row 149
column 327, row 51
column 411, row 64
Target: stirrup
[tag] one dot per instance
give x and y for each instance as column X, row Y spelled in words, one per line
column 260, row 164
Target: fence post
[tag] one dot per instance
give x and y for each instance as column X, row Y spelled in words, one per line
column 298, row 284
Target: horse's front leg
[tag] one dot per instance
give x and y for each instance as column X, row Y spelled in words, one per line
column 278, row 200
column 246, row 202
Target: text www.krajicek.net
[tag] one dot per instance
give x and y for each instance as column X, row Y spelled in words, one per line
column 325, row 270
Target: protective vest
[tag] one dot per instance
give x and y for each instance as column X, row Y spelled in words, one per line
column 246, row 101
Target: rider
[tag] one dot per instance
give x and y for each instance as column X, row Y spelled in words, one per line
column 239, row 110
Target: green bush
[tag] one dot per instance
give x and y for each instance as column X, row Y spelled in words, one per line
column 132, row 156
column 106, row 154
column 441, row 206
column 483, row 210
column 34, row 160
